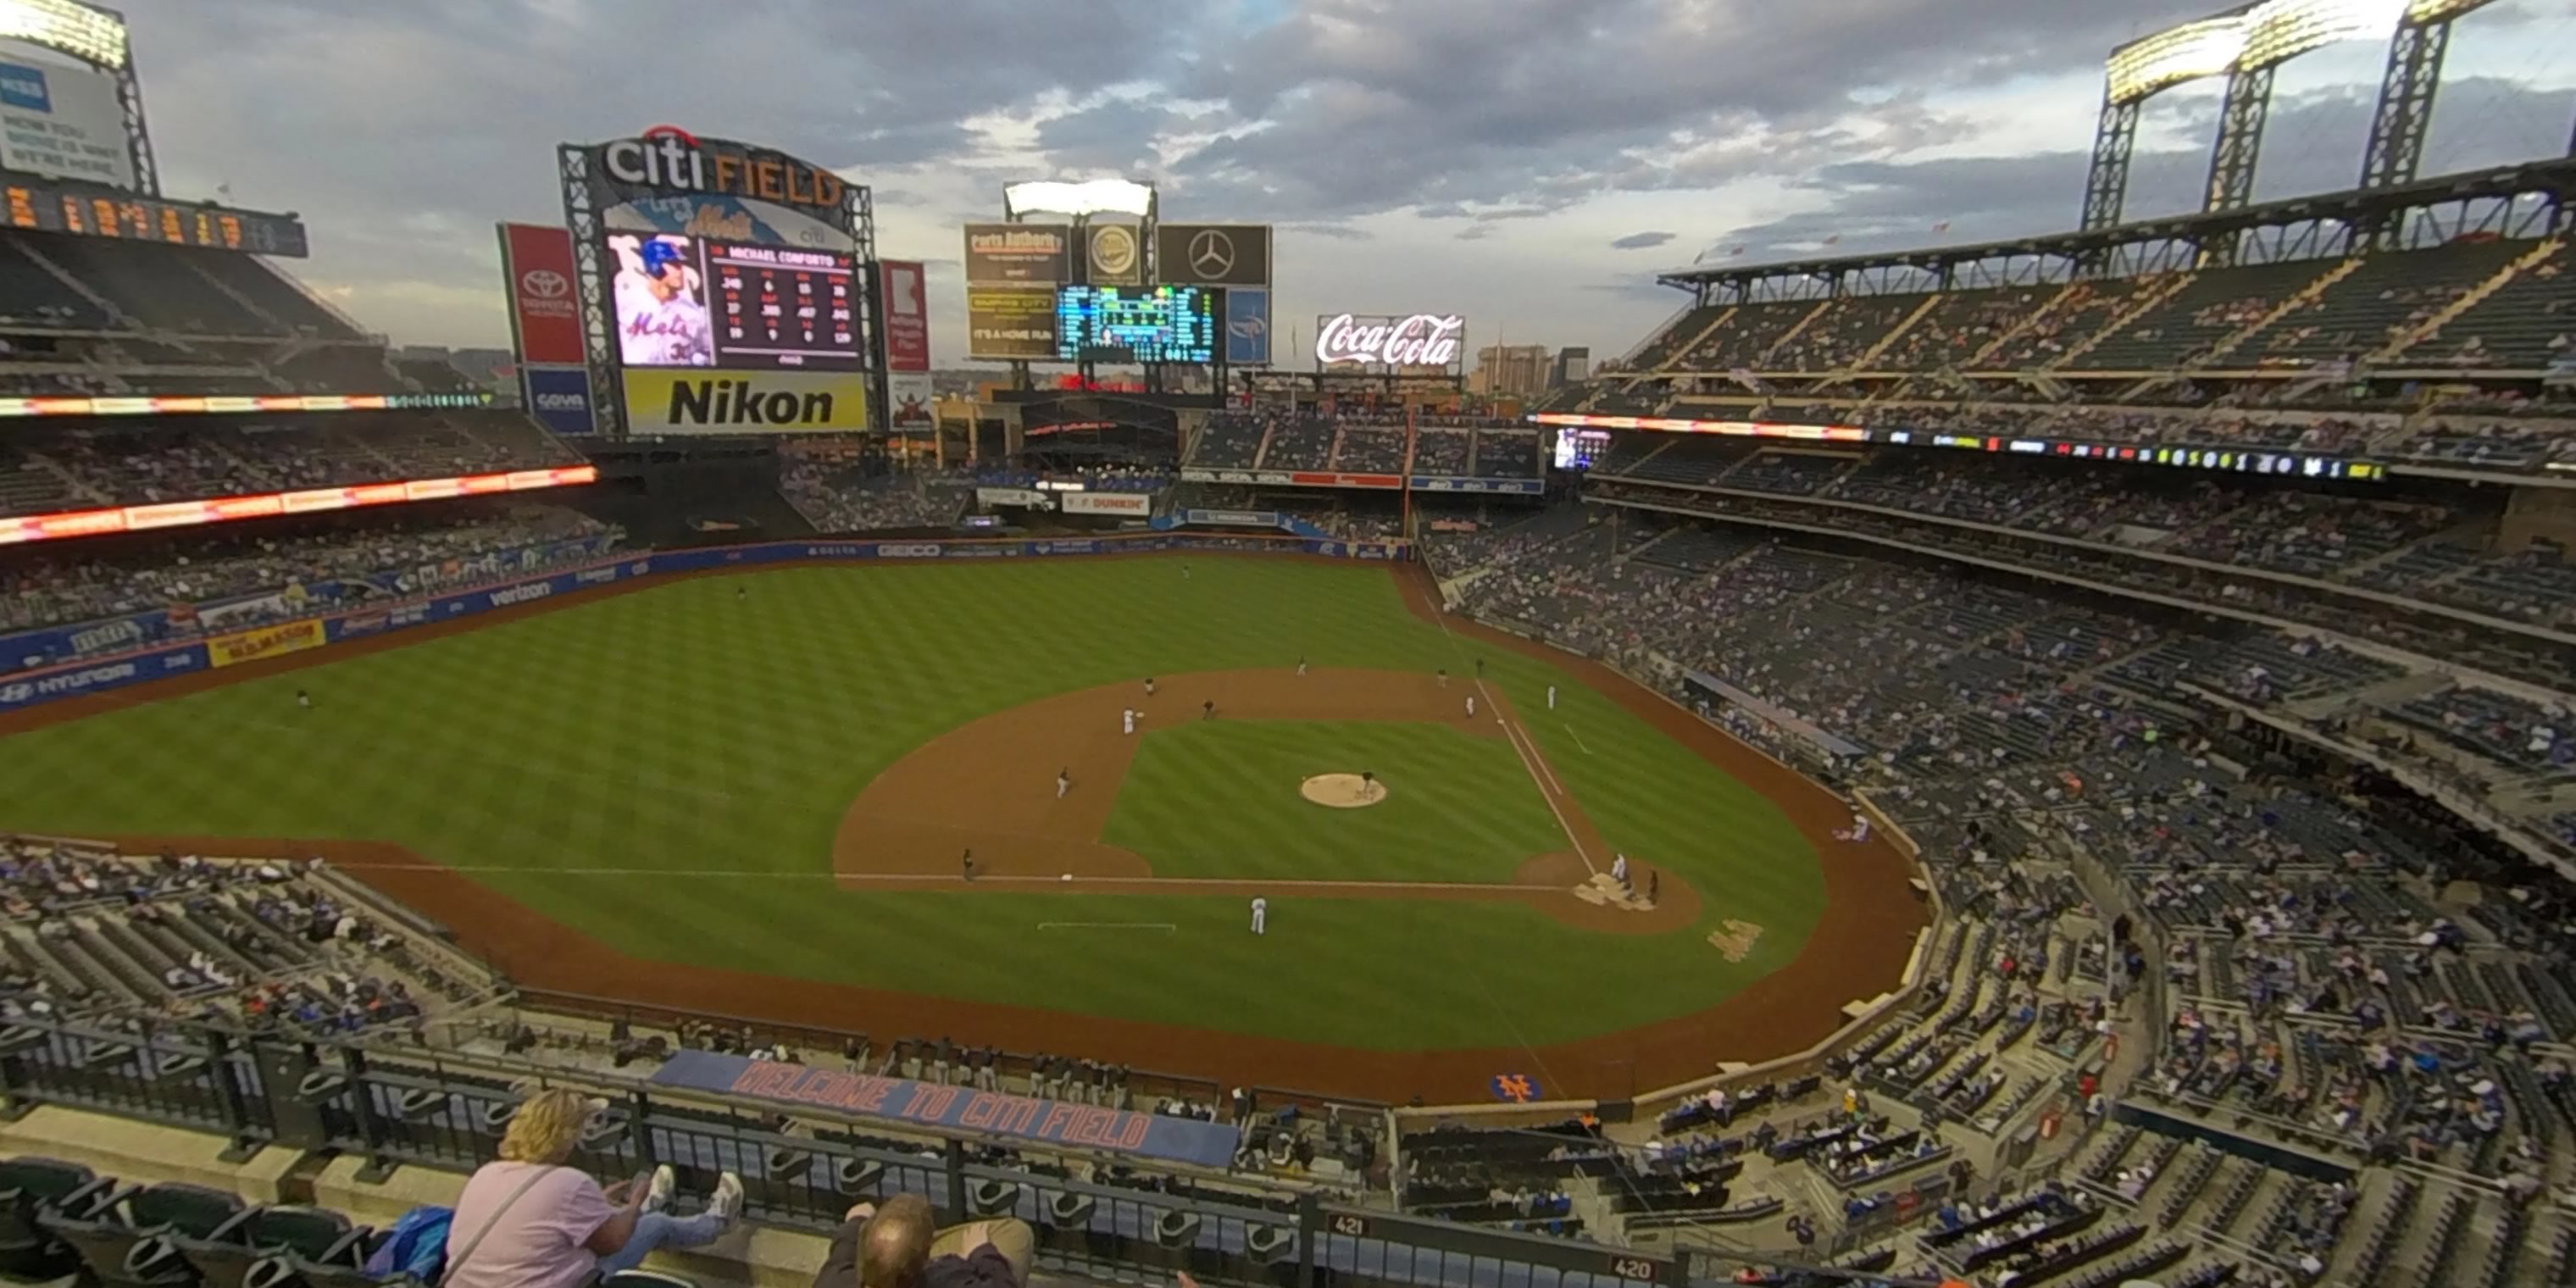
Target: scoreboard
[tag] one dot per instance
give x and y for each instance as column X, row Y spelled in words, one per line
column 1149, row 325
column 776, row 306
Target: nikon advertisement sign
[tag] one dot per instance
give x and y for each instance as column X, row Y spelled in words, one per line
column 698, row 401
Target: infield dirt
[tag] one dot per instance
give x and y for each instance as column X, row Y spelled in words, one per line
column 1857, row 950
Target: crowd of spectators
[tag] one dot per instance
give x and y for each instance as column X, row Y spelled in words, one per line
column 92, row 931
column 45, row 468
column 837, row 497
column 218, row 581
column 2320, row 988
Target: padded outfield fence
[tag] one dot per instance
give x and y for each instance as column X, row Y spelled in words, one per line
column 396, row 1108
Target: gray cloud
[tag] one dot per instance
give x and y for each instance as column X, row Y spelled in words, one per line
column 1641, row 241
column 2313, row 144
column 1373, row 106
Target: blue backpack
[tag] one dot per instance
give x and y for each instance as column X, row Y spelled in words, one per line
column 417, row 1246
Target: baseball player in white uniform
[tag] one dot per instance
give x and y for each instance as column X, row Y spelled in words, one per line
column 1127, row 720
column 1551, row 697
column 1860, row 826
column 1301, row 664
column 1471, row 706
column 1260, row 915
column 1619, row 869
column 1063, row 782
column 660, row 320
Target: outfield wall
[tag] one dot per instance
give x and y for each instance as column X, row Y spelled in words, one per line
column 216, row 652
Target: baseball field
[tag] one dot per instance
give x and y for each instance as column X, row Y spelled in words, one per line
column 757, row 793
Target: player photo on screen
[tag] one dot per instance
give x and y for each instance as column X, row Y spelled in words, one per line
column 661, row 302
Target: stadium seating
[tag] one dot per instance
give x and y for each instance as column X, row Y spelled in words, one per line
column 125, row 461
column 242, row 581
column 265, row 947
column 158, row 319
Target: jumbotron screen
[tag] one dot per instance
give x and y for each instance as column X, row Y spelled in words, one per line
column 695, row 302
column 1141, row 324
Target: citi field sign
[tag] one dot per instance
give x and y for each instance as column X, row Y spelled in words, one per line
column 667, row 158
column 1415, row 340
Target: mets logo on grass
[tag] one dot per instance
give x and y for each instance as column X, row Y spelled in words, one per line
column 268, row 641
column 684, row 401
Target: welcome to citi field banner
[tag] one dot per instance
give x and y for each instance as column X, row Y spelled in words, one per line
column 268, row 641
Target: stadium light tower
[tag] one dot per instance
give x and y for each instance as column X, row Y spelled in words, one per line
column 2247, row 45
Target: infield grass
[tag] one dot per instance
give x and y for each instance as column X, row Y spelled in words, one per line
column 665, row 770
column 1457, row 808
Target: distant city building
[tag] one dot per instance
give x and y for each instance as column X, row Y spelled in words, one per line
column 1511, row 371
column 1573, row 367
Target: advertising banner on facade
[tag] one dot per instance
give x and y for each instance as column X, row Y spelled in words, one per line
column 1132, row 505
column 1019, row 254
column 1019, row 497
column 559, row 397
column 1433, row 342
column 267, row 641
column 744, row 402
column 1011, row 323
column 61, row 120
column 1114, row 255
column 907, row 315
column 545, row 311
column 1212, row 254
column 1247, row 326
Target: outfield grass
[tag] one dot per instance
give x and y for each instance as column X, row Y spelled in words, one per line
column 680, row 731
column 1220, row 800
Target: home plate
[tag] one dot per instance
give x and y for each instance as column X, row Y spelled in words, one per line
column 1607, row 891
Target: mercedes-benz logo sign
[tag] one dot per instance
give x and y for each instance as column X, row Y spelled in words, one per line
column 544, row 283
column 1113, row 250
column 1211, row 254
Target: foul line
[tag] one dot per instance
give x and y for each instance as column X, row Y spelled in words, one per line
column 942, row 879
column 1545, row 779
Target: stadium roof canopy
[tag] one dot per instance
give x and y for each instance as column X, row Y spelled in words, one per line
column 2553, row 179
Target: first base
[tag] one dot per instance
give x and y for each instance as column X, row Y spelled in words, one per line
column 1066, row 877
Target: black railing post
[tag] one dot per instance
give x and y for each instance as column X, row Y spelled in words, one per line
column 219, row 1066
column 639, row 1129
column 956, row 1160
column 1310, row 1233
column 371, row 1125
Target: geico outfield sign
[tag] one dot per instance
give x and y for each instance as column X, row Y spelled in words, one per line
column 1419, row 340
column 681, row 401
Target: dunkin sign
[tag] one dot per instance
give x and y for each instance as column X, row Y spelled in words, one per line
column 1418, row 340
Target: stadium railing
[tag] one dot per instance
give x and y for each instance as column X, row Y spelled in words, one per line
column 394, row 1111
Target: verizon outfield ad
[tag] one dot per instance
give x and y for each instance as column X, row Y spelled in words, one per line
column 545, row 313
column 907, row 344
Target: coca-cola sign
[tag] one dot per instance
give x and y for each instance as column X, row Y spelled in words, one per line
column 1419, row 340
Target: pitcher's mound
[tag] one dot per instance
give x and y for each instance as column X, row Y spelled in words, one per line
column 1342, row 791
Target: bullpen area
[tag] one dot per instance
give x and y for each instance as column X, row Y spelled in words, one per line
column 941, row 799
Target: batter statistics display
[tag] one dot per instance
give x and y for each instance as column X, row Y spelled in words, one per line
column 693, row 302
column 1156, row 324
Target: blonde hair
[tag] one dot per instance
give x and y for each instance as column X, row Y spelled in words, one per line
column 894, row 1246
column 546, row 1127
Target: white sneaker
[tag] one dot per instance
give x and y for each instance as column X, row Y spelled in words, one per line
column 728, row 1200
column 658, row 1195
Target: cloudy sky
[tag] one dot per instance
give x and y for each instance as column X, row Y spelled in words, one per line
column 1528, row 163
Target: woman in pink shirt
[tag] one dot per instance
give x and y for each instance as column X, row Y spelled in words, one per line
column 529, row 1221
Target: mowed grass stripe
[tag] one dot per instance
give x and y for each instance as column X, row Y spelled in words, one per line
column 1221, row 799
column 683, row 728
